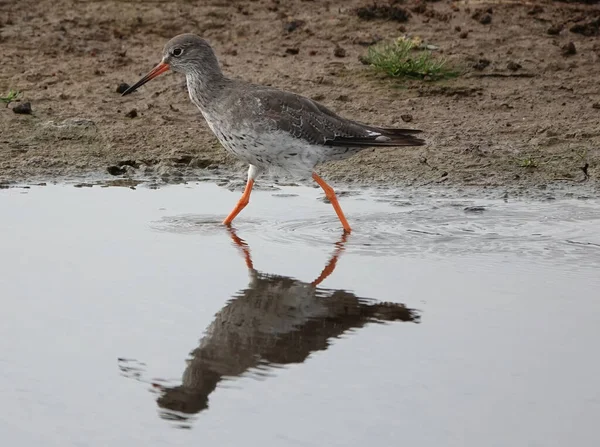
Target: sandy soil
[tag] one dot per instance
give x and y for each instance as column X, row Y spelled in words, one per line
column 524, row 113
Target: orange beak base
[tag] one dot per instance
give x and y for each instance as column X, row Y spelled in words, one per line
column 159, row 69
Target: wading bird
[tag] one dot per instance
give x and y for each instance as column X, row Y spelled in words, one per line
column 266, row 127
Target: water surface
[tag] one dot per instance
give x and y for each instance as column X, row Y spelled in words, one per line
column 131, row 317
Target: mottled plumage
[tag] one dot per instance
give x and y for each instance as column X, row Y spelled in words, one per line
column 267, row 127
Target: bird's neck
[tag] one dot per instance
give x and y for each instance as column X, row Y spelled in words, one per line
column 205, row 87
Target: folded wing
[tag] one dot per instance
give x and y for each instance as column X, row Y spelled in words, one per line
column 307, row 119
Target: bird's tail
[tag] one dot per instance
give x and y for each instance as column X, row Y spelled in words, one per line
column 380, row 136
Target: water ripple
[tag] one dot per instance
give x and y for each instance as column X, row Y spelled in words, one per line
column 568, row 229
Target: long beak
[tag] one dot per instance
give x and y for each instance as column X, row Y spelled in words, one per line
column 159, row 69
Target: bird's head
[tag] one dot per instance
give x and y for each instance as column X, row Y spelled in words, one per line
column 188, row 54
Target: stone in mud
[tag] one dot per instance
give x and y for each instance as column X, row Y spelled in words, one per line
column 588, row 29
column 483, row 16
column 339, row 52
column 485, row 19
column 513, row 66
column 23, row 109
column 481, row 64
column 568, row 49
column 555, row 29
column 122, row 87
column 474, row 209
column 293, row 51
column 293, row 25
column 116, row 170
column 407, row 117
column 132, row 113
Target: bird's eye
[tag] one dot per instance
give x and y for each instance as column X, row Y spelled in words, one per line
column 177, row 52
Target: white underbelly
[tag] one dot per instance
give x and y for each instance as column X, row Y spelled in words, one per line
column 276, row 151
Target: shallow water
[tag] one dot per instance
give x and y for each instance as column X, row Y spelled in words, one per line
column 491, row 312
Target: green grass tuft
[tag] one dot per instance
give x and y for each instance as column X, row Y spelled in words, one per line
column 527, row 162
column 403, row 58
column 10, row 97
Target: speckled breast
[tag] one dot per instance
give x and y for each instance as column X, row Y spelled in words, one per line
column 267, row 150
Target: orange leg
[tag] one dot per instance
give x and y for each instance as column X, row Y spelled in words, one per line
column 330, row 267
column 330, row 194
column 244, row 200
column 243, row 247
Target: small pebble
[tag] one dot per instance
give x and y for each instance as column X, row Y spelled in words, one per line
column 513, row 66
column 116, row 170
column 483, row 16
column 555, row 30
column 293, row 25
column 339, row 52
column 485, row 19
column 122, row 87
column 569, row 49
column 407, row 118
column 481, row 64
column 474, row 209
column 23, row 109
column 132, row 113
column 292, row 50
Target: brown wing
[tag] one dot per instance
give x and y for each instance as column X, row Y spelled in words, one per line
column 307, row 119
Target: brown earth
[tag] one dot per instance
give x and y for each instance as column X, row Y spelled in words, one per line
column 524, row 113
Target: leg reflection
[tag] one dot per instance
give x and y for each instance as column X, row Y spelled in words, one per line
column 327, row 270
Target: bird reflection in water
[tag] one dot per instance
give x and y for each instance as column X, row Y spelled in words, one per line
column 276, row 320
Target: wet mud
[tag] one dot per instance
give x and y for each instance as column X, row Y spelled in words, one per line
column 524, row 113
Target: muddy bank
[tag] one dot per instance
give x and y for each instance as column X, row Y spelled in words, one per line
column 525, row 113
